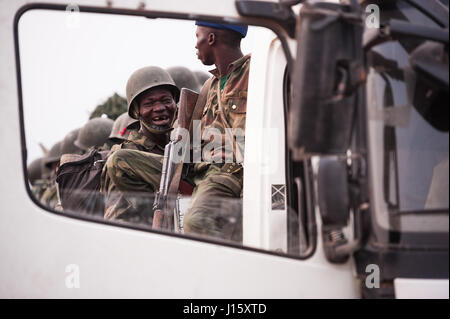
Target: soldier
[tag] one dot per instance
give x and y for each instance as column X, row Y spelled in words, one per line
column 184, row 78
column 51, row 162
column 122, row 128
column 38, row 183
column 225, row 107
column 44, row 188
column 95, row 133
column 133, row 169
column 34, row 170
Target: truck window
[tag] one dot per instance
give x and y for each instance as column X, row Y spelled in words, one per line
column 409, row 133
column 74, row 72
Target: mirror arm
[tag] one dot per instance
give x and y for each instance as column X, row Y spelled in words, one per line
column 396, row 29
column 311, row 226
column 291, row 3
column 360, row 205
column 281, row 13
column 349, row 248
column 337, row 248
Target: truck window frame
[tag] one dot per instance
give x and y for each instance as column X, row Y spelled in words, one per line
column 150, row 15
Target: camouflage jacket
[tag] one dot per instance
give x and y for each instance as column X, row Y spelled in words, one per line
column 227, row 108
column 135, row 141
column 140, row 142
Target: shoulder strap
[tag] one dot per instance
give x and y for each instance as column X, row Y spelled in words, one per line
column 201, row 101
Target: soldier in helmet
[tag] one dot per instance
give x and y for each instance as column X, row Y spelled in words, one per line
column 94, row 134
column 122, row 128
column 35, row 176
column 51, row 162
column 34, row 170
column 41, row 171
column 184, row 78
column 134, row 167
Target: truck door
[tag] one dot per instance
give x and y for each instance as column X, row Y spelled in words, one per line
column 61, row 63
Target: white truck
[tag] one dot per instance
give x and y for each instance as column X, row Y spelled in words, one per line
column 345, row 172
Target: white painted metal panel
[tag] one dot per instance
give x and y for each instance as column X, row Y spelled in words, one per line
column 36, row 245
column 408, row 288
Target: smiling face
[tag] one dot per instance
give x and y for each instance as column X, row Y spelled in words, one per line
column 157, row 107
column 205, row 40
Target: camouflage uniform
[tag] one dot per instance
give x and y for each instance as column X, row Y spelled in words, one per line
column 220, row 185
column 130, row 177
column 50, row 195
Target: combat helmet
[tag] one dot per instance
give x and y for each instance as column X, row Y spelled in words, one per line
column 121, row 124
column 94, row 133
column 183, row 77
column 201, row 77
column 147, row 78
column 34, row 170
column 68, row 146
column 53, row 155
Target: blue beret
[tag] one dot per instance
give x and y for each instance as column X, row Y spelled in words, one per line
column 242, row 30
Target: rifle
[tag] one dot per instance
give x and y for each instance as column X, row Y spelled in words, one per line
column 164, row 209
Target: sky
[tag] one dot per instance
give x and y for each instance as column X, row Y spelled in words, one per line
column 72, row 63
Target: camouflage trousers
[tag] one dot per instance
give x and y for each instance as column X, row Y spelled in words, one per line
column 130, row 179
column 216, row 206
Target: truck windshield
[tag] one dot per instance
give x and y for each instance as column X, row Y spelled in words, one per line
column 408, row 131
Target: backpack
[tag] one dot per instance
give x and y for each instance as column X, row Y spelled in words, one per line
column 79, row 183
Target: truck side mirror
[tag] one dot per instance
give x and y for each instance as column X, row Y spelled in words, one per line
column 334, row 201
column 327, row 71
column 334, row 204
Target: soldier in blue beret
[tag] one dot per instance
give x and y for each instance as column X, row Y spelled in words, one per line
column 216, row 206
column 219, row 44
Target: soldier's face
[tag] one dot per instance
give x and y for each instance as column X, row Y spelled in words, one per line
column 205, row 39
column 157, row 107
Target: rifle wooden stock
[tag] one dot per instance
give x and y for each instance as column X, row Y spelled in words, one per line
column 163, row 215
column 158, row 217
column 188, row 100
column 198, row 108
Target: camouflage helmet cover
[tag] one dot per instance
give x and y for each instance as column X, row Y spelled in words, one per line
column 94, row 133
column 119, row 129
column 144, row 79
